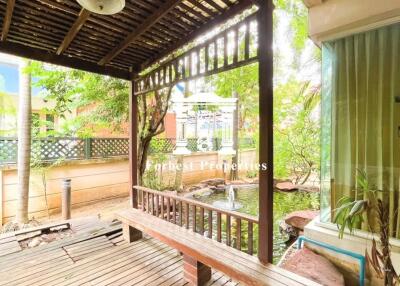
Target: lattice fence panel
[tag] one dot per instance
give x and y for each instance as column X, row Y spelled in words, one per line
column 52, row 149
column 8, row 150
column 162, row 145
column 108, row 147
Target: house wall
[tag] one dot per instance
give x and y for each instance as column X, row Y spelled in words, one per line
column 96, row 180
column 338, row 18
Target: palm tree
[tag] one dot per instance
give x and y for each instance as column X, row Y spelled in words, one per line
column 24, row 143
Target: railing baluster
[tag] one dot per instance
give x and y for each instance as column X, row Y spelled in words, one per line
column 202, row 221
column 210, row 225
column 157, row 206
column 250, row 238
column 162, row 207
column 187, row 215
column 174, row 211
column 238, row 233
column 147, row 202
column 194, row 218
column 168, row 209
column 152, row 204
column 228, row 230
column 219, row 237
column 180, row 213
column 141, row 198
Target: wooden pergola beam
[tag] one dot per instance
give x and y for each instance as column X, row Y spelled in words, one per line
column 7, row 19
column 75, row 28
column 48, row 57
column 141, row 29
column 218, row 20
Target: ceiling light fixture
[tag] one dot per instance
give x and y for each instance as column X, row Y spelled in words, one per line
column 104, row 7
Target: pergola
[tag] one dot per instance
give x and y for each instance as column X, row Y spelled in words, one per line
column 138, row 45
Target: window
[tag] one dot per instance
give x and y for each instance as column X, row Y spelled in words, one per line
column 361, row 119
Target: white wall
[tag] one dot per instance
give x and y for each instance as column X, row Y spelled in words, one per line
column 339, row 18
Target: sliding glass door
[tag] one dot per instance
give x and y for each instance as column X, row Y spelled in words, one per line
column 361, row 119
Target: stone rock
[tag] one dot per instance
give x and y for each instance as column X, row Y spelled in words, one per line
column 203, row 193
column 284, row 228
column 213, row 182
column 314, row 267
column 299, row 219
column 286, row 187
column 308, row 188
column 194, row 188
column 34, row 242
column 289, row 231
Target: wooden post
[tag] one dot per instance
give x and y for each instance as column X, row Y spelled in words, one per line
column 133, row 153
column 131, row 234
column 195, row 272
column 265, row 230
column 66, row 199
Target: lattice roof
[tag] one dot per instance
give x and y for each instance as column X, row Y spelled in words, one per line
column 61, row 32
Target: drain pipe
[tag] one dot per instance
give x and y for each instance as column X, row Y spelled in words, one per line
column 359, row 257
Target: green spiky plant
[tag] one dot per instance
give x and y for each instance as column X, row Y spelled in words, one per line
column 350, row 213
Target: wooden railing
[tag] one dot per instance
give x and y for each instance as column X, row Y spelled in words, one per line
column 232, row 228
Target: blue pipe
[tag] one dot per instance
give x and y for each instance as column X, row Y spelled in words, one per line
column 357, row 256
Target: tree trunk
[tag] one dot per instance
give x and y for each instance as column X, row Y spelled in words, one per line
column 179, row 172
column 24, row 144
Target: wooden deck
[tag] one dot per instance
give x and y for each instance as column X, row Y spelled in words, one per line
column 97, row 257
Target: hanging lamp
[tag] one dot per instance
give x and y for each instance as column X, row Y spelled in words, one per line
column 104, row 7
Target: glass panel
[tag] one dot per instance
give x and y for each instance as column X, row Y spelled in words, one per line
column 361, row 120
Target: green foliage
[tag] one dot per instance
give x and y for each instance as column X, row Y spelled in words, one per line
column 8, row 109
column 102, row 101
column 298, row 21
column 296, row 131
column 244, row 81
column 350, row 212
column 154, row 177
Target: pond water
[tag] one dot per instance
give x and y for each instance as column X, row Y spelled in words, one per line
column 246, row 198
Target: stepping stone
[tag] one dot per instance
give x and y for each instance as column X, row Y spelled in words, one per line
column 299, row 219
column 314, row 267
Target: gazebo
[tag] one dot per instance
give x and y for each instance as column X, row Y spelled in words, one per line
column 147, row 44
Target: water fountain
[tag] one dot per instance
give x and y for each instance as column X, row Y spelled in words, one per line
column 230, row 203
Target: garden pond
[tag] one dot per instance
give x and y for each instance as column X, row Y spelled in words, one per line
column 246, row 201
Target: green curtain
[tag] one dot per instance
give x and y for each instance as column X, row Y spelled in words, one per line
column 364, row 80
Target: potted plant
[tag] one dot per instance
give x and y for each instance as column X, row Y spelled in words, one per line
column 372, row 210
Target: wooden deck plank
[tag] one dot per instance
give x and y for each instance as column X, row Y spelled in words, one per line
column 114, row 272
column 31, row 262
column 35, row 279
column 162, row 276
column 120, row 275
column 147, row 262
column 41, row 250
column 92, row 264
column 23, row 277
column 183, row 238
